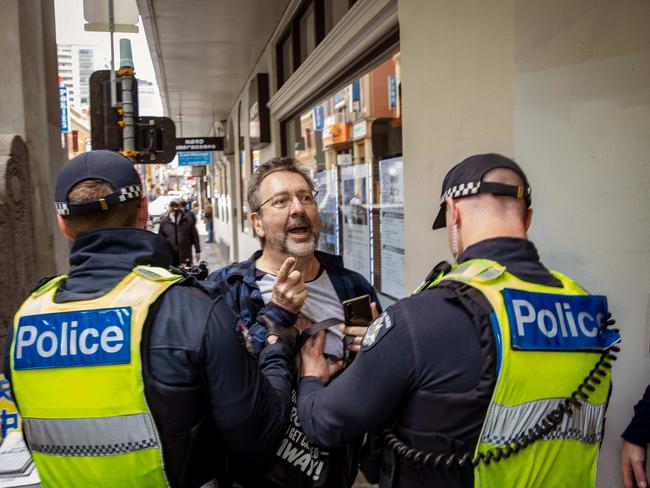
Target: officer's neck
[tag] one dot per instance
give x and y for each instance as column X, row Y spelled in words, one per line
column 271, row 261
column 470, row 236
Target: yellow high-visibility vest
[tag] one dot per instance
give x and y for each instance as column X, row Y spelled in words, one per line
column 548, row 341
column 76, row 373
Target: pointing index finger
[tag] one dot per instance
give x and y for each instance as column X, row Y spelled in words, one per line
column 285, row 269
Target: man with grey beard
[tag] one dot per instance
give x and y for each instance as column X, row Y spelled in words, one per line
column 290, row 284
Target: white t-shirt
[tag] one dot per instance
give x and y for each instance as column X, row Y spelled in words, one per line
column 321, row 303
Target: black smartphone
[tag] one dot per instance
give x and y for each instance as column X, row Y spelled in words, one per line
column 357, row 311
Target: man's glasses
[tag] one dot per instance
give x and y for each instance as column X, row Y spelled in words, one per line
column 284, row 200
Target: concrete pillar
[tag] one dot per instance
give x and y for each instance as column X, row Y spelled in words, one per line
column 457, row 62
column 31, row 146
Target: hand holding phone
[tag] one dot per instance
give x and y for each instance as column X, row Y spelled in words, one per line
column 359, row 312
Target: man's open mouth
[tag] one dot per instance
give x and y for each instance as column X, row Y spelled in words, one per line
column 299, row 231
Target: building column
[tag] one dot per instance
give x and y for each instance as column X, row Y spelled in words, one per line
column 31, row 152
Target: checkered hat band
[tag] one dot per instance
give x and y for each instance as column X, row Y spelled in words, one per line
column 462, row 190
column 130, row 192
column 122, row 195
column 500, row 189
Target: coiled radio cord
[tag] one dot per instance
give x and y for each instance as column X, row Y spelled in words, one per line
column 538, row 431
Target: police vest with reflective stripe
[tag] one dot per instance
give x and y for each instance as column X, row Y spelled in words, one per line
column 76, row 375
column 548, row 340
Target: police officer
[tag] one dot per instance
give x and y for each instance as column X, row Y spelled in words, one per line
column 127, row 374
column 495, row 373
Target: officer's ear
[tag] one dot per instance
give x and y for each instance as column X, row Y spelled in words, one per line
column 528, row 219
column 64, row 226
column 143, row 212
column 453, row 215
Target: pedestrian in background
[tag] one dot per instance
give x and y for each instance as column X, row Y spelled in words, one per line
column 207, row 219
column 194, row 211
column 178, row 228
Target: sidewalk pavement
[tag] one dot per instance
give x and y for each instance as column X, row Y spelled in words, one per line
column 212, row 253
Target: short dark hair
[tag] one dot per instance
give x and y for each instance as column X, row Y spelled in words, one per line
column 124, row 214
column 265, row 169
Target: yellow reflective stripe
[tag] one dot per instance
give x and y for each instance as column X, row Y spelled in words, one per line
column 48, row 286
column 106, row 436
column 505, row 424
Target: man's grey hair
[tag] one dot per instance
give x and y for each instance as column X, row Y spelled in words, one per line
column 268, row 167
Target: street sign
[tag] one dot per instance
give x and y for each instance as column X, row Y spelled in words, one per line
column 318, row 117
column 199, row 143
column 65, row 116
column 125, row 15
column 392, row 93
column 193, row 158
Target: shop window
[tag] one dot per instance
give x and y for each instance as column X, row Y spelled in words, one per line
column 311, row 23
column 307, row 31
column 334, row 10
column 285, row 58
column 350, row 142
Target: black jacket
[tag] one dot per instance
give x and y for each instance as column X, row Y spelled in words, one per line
column 429, row 374
column 205, row 392
column 638, row 431
column 181, row 234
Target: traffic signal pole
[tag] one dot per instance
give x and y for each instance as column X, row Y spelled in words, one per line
column 126, row 73
column 111, row 29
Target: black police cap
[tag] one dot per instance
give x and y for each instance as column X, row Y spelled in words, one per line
column 466, row 179
column 107, row 166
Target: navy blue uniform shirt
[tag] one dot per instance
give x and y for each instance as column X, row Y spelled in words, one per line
column 431, row 345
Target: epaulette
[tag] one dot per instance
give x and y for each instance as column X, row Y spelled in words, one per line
column 42, row 282
column 438, row 271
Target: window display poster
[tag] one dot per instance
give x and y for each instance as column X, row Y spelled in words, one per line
column 391, row 226
column 328, row 208
column 356, row 219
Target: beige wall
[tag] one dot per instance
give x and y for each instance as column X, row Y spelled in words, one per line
column 565, row 88
column 457, row 61
column 582, row 111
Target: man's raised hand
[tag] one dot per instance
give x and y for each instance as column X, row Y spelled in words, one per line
column 289, row 290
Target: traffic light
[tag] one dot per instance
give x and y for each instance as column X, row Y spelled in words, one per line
column 155, row 137
column 105, row 128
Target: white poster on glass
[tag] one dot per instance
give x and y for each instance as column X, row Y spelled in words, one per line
column 391, row 226
column 356, row 219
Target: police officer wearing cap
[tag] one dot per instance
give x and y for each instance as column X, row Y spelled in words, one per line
column 127, row 374
column 495, row 372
